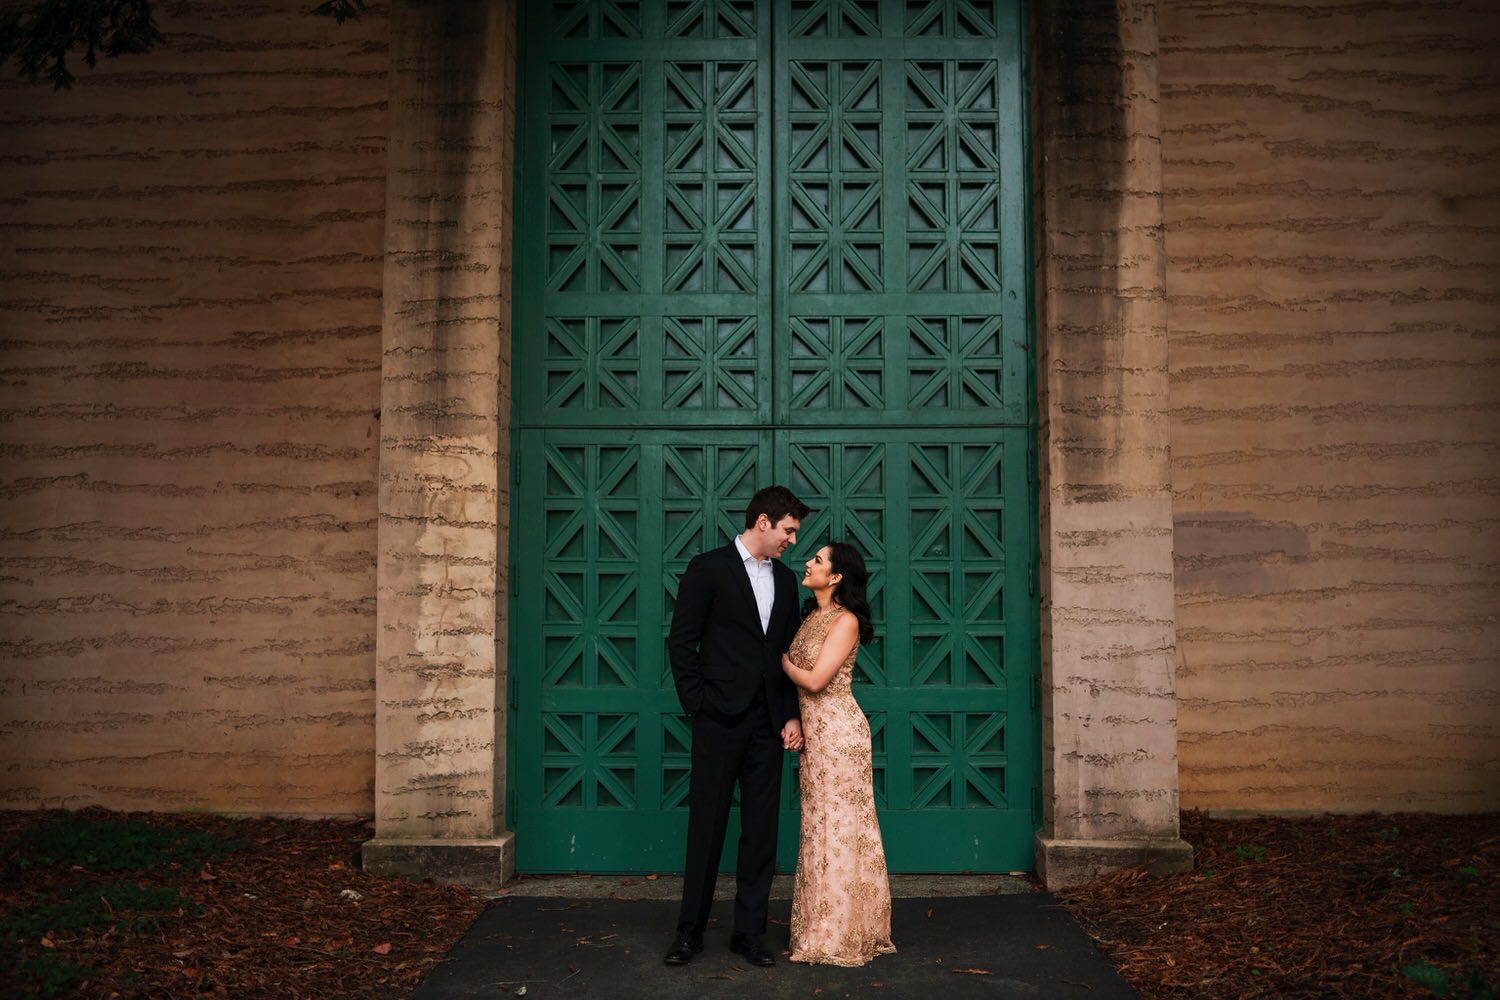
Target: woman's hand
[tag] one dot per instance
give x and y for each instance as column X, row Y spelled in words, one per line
column 791, row 734
column 794, row 673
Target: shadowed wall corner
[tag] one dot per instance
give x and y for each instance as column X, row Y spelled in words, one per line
column 440, row 735
column 1108, row 697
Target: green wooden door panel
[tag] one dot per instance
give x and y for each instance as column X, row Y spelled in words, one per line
column 900, row 215
column 771, row 243
column 944, row 521
column 606, row 523
column 645, row 160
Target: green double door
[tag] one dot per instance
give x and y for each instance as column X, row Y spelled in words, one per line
column 767, row 243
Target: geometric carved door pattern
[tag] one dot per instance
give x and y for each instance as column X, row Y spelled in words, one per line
column 771, row 243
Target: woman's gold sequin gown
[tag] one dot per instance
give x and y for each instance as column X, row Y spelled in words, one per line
column 841, row 905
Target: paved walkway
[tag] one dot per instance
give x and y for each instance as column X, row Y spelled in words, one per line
column 956, row 937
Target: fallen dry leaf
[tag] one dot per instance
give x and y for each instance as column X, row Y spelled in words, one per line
column 384, row 948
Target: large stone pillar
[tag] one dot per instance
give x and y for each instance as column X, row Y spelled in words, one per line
column 1109, row 710
column 440, row 675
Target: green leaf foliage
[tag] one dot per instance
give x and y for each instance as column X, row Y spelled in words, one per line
column 340, row 10
column 78, row 907
column 1249, row 853
column 51, row 975
column 41, row 36
column 1424, row 973
column 107, row 845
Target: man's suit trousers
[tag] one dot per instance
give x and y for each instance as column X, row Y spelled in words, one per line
column 746, row 750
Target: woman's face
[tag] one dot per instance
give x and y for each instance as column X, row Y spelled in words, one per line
column 819, row 571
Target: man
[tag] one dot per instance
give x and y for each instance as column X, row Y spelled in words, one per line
column 736, row 614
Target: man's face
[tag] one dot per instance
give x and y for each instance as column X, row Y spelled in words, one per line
column 777, row 538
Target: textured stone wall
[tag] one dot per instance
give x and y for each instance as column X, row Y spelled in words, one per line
column 1332, row 200
column 440, row 768
column 190, row 295
column 1108, row 709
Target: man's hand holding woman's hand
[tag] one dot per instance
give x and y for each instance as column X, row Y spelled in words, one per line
column 791, row 735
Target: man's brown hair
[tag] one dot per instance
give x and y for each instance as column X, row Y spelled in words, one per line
column 775, row 502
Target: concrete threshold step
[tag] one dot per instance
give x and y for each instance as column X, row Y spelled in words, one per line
column 670, row 886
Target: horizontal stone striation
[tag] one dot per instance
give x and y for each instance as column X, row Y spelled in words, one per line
column 1334, row 266
column 189, row 354
column 440, row 689
column 1107, row 600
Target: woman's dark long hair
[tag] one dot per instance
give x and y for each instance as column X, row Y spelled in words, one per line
column 845, row 560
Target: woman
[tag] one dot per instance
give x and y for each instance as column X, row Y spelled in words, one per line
column 841, row 904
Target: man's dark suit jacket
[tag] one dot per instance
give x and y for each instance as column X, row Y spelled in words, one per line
column 719, row 655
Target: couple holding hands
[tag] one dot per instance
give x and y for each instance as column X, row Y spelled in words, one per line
column 759, row 675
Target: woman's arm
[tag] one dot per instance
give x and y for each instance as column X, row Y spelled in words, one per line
column 841, row 637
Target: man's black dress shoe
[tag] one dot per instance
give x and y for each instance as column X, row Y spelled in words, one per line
column 688, row 944
column 754, row 950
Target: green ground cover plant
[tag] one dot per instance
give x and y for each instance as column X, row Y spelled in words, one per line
column 112, row 905
column 84, row 874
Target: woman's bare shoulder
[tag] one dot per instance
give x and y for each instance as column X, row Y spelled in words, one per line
column 845, row 621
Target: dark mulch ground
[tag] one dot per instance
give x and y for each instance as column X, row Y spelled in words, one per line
column 1324, row 906
column 105, row 904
